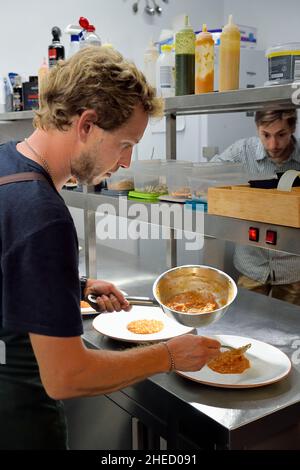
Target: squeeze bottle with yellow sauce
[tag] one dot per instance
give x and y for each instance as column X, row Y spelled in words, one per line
column 204, row 62
column 229, row 61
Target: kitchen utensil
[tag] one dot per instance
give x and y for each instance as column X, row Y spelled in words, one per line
column 241, row 350
column 149, row 10
column 200, row 279
column 190, row 278
column 135, row 6
column 144, row 301
column 157, row 8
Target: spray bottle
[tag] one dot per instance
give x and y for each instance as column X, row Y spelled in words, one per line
column 88, row 37
column 73, row 31
column 56, row 50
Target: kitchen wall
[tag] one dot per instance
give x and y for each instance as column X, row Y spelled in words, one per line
column 26, row 26
column 277, row 21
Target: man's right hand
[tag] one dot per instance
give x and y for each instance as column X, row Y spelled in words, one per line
column 191, row 352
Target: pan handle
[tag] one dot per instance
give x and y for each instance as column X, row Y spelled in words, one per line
column 143, row 301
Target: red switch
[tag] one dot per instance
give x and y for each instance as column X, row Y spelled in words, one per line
column 253, row 234
column 271, row 237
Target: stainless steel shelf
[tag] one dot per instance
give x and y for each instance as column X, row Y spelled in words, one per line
column 223, row 228
column 16, row 116
column 250, row 99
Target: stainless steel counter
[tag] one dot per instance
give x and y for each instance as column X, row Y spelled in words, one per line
column 225, row 228
column 224, row 418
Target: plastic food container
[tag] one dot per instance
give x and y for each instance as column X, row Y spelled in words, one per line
column 215, row 174
column 122, row 180
column 284, row 63
column 177, row 178
column 148, row 177
column 199, row 187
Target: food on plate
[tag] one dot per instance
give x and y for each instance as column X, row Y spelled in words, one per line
column 145, row 327
column 84, row 304
column 193, row 302
column 72, row 181
column 230, row 362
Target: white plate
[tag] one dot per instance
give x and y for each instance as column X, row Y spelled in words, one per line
column 115, row 324
column 268, row 365
column 70, row 185
column 88, row 311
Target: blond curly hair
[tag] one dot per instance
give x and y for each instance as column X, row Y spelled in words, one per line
column 97, row 78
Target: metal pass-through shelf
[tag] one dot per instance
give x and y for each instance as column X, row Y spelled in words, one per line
column 16, row 116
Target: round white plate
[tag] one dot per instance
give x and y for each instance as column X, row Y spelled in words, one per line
column 115, row 324
column 88, row 311
column 268, row 365
column 71, row 185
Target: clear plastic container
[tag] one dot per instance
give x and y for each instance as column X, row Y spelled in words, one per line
column 199, row 186
column 177, row 178
column 122, row 180
column 148, row 177
column 214, row 169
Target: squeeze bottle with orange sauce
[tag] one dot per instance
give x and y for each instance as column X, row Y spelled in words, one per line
column 229, row 61
column 204, row 62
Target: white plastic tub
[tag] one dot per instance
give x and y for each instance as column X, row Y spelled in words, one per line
column 284, row 63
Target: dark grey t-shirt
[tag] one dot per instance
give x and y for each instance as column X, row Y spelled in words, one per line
column 39, row 293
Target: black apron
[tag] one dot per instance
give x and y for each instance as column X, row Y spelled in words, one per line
column 29, row 418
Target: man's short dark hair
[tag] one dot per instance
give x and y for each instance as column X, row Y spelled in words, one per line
column 268, row 117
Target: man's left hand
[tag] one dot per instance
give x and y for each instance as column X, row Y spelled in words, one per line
column 109, row 298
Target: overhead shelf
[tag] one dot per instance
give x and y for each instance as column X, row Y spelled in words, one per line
column 16, row 116
column 249, row 99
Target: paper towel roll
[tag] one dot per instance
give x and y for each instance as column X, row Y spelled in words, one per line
column 287, row 180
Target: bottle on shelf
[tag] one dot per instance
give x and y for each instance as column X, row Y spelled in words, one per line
column 42, row 72
column 8, row 95
column 165, row 72
column 56, row 50
column 185, row 60
column 88, row 37
column 2, row 96
column 150, row 58
column 229, row 60
column 204, row 62
column 73, row 30
column 18, row 104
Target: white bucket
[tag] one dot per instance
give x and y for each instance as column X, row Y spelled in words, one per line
column 284, row 63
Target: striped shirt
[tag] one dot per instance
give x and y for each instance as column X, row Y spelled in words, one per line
column 259, row 263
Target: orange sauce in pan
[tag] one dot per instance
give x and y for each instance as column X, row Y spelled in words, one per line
column 193, row 302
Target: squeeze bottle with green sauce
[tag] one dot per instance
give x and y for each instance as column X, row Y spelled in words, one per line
column 229, row 66
column 185, row 60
